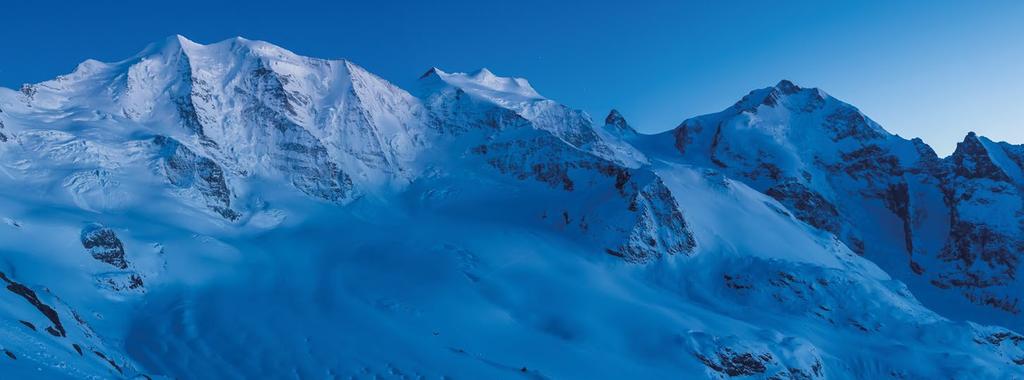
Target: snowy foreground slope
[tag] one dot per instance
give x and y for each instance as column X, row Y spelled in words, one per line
column 234, row 210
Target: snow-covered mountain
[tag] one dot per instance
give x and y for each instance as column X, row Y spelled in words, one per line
column 234, row 210
column 951, row 228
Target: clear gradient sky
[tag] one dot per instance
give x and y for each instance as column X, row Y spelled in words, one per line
column 930, row 69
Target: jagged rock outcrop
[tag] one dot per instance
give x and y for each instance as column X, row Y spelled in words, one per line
column 616, row 124
column 104, row 246
column 660, row 227
column 102, row 243
column 731, row 357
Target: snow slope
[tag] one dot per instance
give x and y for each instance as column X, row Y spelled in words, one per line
column 234, row 210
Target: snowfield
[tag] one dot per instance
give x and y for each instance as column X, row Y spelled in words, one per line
column 237, row 211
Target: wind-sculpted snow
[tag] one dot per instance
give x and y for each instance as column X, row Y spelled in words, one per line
column 235, row 210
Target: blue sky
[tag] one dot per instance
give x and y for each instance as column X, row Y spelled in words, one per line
column 934, row 69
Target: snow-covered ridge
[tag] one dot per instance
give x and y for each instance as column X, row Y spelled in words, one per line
column 234, row 208
column 485, row 84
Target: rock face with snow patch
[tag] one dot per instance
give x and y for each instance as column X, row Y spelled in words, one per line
column 986, row 236
column 188, row 171
column 103, row 245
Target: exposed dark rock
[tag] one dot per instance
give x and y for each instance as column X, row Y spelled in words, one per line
column 787, row 87
column 808, row 205
column 192, row 86
column 30, row 296
column 121, row 281
column 916, row 268
column 971, row 160
column 847, row 122
column 715, row 141
column 135, row 282
column 659, row 227
column 683, row 137
column 999, row 337
column 54, row 331
column 109, row 361
column 871, row 164
column 537, row 158
column 735, row 364
column 897, row 200
column 928, row 161
column 103, row 244
column 615, row 120
column 28, row 324
column 736, row 283
column 29, row 91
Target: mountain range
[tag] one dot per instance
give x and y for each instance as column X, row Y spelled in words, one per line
column 235, row 210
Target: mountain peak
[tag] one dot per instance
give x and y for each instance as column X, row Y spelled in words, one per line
column 432, row 71
column 787, row 87
column 785, row 92
column 979, row 157
column 180, row 39
column 484, row 74
column 221, row 50
column 615, row 118
column 617, row 122
column 484, row 84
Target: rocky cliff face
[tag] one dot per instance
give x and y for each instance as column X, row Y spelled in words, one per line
column 986, row 236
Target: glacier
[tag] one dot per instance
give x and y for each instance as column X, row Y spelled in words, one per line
column 234, row 210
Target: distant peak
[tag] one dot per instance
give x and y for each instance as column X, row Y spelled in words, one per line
column 787, row 87
column 181, row 39
column 617, row 122
column 615, row 118
column 484, row 73
column 433, row 71
column 484, row 83
column 972, row 144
